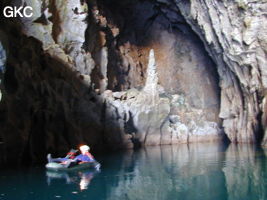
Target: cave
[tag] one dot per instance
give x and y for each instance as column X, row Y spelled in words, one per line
column 124, row 74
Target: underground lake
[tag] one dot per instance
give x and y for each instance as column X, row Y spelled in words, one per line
column 188, row 172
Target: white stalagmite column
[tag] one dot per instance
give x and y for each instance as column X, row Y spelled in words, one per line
column 151, row 85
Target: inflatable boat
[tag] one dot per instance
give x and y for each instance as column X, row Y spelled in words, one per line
column 54, row 166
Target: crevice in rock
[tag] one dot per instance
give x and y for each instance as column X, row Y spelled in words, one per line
column 10, row 80
column 55, row 19
column 259, row 133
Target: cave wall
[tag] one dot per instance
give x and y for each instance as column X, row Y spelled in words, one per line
column 119, row 74
column 234, row 33
column 191, row 107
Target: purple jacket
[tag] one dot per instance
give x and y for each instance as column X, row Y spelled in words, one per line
column 84, row 158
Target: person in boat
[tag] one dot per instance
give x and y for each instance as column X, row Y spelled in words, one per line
column 71, row 159
column 70, row 155
column 85, row 155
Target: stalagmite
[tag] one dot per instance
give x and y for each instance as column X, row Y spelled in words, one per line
column 151, row 85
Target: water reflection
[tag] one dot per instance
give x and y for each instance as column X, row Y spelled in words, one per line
column 173, row 172
column 193, row 172
column 188, row 172
column 245, row 173
column 83, row 178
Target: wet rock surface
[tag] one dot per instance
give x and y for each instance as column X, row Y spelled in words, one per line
column 125, row 74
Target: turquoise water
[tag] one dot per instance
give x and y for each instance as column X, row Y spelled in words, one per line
column 194, row 172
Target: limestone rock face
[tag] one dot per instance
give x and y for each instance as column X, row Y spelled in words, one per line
column 234, row 34
column 144, row 112
column 145, row 115
column 119, row 74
